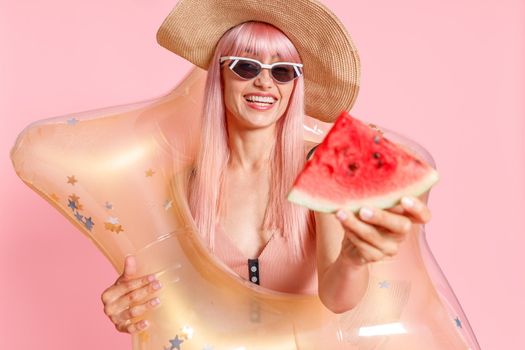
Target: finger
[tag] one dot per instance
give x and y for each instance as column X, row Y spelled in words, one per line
column 420, row 212
column 116, row 291
column 385, row 244
column 417, row 208
column 368, row 252
column 130, row 268
column 367, row 232
column 140, row 309
column 133, row 298
column 132, row 327
column 397, row 209
column 397, row 224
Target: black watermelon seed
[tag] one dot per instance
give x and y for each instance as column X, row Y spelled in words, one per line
column 353, row 167
column 379, row 164
column 376, row 155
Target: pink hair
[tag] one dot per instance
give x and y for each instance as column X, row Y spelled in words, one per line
column 207, row 183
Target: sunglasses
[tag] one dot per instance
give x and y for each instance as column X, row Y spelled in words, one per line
column 249, row 68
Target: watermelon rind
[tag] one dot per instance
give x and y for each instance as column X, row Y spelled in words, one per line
column 383, row 201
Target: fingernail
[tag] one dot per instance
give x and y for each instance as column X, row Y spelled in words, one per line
column 407, row 202
column 156, row 285
column 151, row 278
column 155, row 302
column 341, row 215
column 366, row 213
column 144, row 324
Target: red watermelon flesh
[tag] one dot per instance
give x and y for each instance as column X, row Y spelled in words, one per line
column 356, row 166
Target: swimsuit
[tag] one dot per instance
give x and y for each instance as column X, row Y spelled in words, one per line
column 271, row 269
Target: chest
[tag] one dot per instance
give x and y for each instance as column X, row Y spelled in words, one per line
column 246, row 200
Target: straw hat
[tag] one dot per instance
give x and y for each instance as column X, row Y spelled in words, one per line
column 330, row 59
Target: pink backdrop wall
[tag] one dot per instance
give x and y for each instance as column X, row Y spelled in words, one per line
column 449, row 74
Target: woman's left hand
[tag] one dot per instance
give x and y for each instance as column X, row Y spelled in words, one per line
column 370, row 239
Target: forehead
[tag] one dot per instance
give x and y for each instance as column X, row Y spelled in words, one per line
column 248, row 52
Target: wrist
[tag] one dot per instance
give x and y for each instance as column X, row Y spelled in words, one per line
column 353, row 262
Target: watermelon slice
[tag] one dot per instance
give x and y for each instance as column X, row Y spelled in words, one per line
column 356, row 166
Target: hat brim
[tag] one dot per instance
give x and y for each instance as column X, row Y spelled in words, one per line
column 330, row 58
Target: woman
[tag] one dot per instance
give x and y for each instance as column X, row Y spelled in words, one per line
column 252, row 150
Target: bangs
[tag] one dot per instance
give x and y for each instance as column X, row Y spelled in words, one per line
column 260, row 39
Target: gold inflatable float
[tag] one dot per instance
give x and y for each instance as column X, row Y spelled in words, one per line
column 119, row 175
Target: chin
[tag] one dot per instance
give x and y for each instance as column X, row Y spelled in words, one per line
column 259, row 123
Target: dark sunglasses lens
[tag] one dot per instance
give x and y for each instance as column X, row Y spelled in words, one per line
column 247, row 69
column 284, row 73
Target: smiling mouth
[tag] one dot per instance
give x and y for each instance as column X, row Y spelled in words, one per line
column 260, row 100
column 262, row 104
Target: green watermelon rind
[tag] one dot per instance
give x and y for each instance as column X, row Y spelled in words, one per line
column 382, row 202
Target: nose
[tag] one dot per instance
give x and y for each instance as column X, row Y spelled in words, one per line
column 264, row 79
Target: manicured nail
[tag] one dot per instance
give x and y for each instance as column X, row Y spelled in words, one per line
column 407, row 202
column 144, row 324
column 341, row 215
column 155, row 302
column 151, row 278
column 156, row 285
column 366, row 213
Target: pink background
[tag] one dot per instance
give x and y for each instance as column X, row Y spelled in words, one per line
column 439, row 72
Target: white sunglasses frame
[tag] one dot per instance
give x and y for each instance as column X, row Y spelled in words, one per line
column 236, row 59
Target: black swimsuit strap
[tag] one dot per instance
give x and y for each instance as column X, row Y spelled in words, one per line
column 309, row 155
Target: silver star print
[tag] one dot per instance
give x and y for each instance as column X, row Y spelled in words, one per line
column 187, row 331
column 72, row 121
column 72, row 204
column 113, row 220
column 167, row 204
column 89, row 223
column 175, row 343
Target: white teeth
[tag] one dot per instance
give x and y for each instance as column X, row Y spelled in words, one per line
column 265, row 99
column 262, row 103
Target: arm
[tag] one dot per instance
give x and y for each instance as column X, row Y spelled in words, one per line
column 345, row 246
column 342, row 283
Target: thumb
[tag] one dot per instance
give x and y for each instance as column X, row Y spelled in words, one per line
column 130, row 268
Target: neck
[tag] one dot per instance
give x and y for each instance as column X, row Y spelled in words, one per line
column 250, row 149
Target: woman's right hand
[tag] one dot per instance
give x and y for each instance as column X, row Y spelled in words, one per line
column 130, row 296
